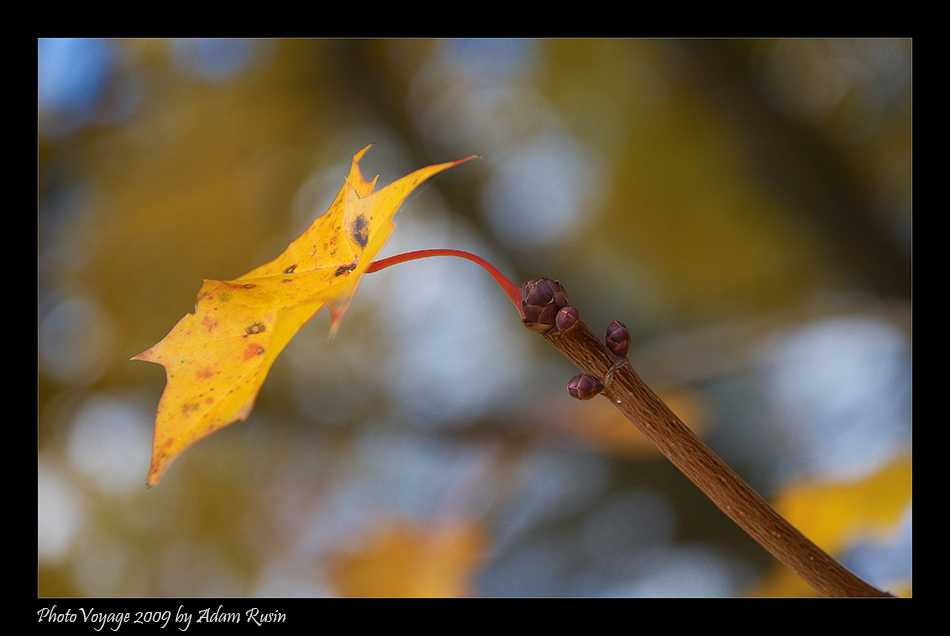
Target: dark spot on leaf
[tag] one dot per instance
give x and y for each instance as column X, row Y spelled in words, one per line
column 290, row 270
column 257, row 327
column 253, row 350
column 359, row 230
column 188, row 407
column 344, row 269
column 249, row 286
column 209, row 323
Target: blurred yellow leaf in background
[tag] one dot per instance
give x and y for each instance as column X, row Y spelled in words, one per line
column 837, row 515
column 406, row 560
column 598, row 423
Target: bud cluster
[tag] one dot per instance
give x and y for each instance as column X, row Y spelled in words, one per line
column 541, row 300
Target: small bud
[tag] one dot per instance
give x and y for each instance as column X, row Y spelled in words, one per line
column 617, row 338
column 584, row 387
column 541, row 299
column 567, row 319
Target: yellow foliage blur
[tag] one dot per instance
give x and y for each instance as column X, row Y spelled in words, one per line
column 599, row 424
column 413, row 560
column 837, row 515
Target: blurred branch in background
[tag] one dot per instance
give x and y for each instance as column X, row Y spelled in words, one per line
column 803, row 111
column 743, row 206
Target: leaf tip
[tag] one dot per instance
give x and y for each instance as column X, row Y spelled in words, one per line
column 362, row 151
column 463, row 160
column 155, row 471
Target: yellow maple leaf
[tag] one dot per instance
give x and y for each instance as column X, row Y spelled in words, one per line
column 217, row 358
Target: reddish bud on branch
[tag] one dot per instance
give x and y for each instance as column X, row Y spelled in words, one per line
column 568, row 318
column 584, row 387
column 541, row 300
column 617, row 338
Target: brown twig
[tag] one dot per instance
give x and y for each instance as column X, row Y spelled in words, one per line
column 611, row 375
column 606, row 371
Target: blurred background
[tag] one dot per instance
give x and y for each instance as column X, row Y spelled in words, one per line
column 743, row 206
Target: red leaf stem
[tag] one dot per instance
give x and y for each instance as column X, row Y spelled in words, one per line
column 513, row 291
